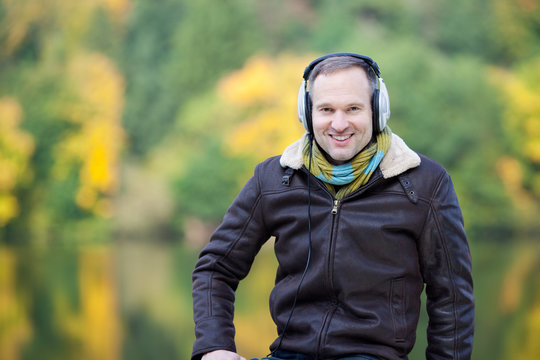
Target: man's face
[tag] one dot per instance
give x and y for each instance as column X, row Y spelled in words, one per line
column 342, row 113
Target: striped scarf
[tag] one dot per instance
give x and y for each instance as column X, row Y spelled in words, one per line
column 355, row 173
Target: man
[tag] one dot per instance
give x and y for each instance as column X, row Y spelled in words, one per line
column 361, row 224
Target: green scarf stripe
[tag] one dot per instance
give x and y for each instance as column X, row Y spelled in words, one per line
column 353, row 174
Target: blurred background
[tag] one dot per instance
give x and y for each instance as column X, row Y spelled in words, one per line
column 128, row 126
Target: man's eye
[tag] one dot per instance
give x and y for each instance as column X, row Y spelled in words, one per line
column 326, row 109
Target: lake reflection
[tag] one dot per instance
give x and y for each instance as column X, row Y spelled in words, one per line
column 132, row 300
column 127, row 300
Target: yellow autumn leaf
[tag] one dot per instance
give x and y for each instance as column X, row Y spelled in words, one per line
column 9, row 208
column 520, row 90
column 266, row 89
column 16, row 148
column 253, row 83
column 94, row 150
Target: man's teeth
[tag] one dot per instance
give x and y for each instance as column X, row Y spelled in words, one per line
column 341, row 138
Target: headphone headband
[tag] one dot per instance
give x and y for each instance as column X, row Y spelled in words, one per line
column 367, row 59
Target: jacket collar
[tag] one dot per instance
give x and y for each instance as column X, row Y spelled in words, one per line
column 397, row 160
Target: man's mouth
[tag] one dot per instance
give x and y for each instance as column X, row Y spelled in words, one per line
column 340, row 137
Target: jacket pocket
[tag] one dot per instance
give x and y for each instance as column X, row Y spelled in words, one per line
column 397, row 308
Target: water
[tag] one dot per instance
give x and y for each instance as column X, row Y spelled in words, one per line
column 132, row 300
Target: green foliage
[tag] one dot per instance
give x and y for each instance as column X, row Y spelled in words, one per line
column 174, row 52
column 214, row 38
column 460, row 27
column 356, row 24
column 516, row 29
column 209, row 184
column 102, row 35
column 147, row 47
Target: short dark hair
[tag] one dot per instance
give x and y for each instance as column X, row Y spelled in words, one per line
column 336, row 63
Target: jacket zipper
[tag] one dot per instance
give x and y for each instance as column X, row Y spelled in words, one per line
column 331, row 248
column 335, row 208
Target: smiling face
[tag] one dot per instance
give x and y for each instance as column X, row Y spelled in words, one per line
column 342, row 120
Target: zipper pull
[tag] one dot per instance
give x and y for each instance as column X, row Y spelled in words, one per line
column 334, row 209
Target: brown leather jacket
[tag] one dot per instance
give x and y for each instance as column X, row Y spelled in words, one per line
column 372, row 254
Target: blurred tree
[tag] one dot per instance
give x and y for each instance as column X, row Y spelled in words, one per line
column 286, row 25
column 19, row 29
column 265, row 93
column 104, row 33
column 460, row 27
column 209, row 184
column 219, row 36
column 175, row 51
column 356, row 25
column 517, row 29
column 39, row 42
column 520, row 169
column 16, row 148
column 146, row 48
column 94, row 150
column 498, row 31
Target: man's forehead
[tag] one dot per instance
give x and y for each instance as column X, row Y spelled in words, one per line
column 349, row 70
column 343, row 79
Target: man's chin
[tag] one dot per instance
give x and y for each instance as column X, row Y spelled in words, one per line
column 338, row 159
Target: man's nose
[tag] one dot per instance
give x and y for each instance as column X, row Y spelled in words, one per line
column 339, row 122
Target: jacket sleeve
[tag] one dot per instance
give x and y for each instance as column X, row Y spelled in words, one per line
column 446, row 268
column 222, row 264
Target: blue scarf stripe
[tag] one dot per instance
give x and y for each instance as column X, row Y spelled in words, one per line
column 341, row 175
column 374, row 162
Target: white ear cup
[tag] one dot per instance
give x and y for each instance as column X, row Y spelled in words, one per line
column 384, row 105
column 301, row 104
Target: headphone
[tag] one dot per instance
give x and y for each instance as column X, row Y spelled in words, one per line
column 380, row 105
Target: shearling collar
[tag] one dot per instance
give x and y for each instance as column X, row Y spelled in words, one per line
column 397, row 160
